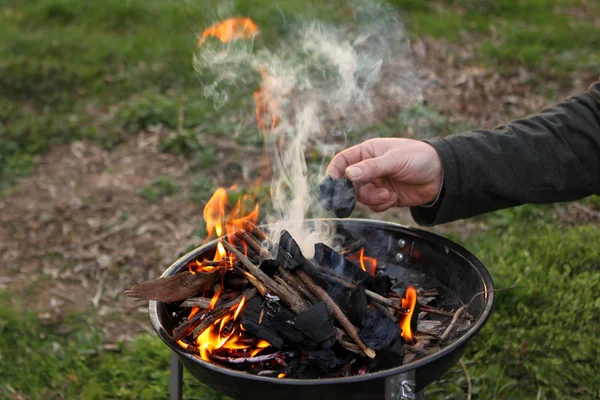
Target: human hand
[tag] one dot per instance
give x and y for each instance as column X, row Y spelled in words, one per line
column 390, row 172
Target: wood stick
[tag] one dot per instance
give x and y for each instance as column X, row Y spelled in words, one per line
column 293, row 280
column 262, row 289
column 189, row 325
column 336, row 311
column 294, row 302
column 289, row 278
column 348, row 345
column 204, row 302
column 450, row 327
column 208, row 321
column 372, row 295
column 419, row 350
column 384, row 311
column 432, row 310
column 289, row 288
column 249, row 360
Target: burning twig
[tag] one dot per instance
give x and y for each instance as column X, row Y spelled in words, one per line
column 289, row 278
column 189, row 325
column 204, row 302
column 337, row 313
column 208, row 321
column 293, row 301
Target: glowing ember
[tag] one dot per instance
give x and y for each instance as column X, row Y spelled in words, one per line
column 409, row 302
column 231, row 29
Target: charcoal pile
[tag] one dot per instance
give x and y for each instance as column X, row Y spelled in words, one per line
column 260, row 306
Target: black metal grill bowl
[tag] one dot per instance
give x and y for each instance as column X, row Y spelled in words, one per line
column 416, row 256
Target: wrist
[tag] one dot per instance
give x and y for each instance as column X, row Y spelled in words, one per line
column 438, row 196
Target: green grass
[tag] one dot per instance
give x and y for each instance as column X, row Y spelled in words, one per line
column 45, row 362
column 105, row 70
column 542, row 340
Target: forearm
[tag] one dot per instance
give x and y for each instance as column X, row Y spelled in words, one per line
column 548, row 157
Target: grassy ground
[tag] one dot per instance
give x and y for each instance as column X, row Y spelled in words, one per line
column 105, row 71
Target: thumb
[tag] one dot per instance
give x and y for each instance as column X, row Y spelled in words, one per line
column 372, row 168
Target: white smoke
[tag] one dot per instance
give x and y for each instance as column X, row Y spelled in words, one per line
column 319, row 83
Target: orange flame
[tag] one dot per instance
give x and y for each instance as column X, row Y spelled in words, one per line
column 367, row 264
column 214, row 299
column 410, row 302
column 226, row 333
column 231, row 29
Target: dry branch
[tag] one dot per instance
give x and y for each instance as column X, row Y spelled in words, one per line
column 337, row 312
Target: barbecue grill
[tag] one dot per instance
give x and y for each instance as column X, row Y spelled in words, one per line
column 419, row 257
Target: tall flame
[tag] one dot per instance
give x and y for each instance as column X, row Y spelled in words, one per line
column 219, row 222
column 409, row 301
column 231, row 29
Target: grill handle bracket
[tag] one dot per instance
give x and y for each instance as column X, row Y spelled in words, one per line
column 402, row 387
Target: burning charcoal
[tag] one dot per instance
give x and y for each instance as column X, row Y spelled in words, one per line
column 289, row 244
column 358, row 304
column 262, row 332
column 382, row 285
column 327, row 257
column 378, row 332
column 338, row 195
column 352, row 302
column 281, row 320
column 391, row 357
column 269, row 267
column 316, row 323
column 250, row 316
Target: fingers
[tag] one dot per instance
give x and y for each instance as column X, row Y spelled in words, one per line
column 342, row 160
column 371, row 195
column 372, row 168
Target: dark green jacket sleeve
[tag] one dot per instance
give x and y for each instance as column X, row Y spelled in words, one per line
column 551, row 156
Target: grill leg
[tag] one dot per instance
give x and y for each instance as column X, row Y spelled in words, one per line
column 176, row 388
column 402, row 387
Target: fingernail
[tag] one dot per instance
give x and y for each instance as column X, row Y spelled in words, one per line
column 353, row 172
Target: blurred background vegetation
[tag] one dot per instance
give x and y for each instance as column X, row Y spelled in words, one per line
column 108, row 151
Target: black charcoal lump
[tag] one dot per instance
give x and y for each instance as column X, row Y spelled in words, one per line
column 378, row 332
column 337, row 195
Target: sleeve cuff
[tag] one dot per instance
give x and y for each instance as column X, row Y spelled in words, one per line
column 438, row 211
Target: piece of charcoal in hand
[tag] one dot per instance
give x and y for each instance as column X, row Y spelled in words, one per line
column 338, row 195
column 326, row 188
column 344, row 198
